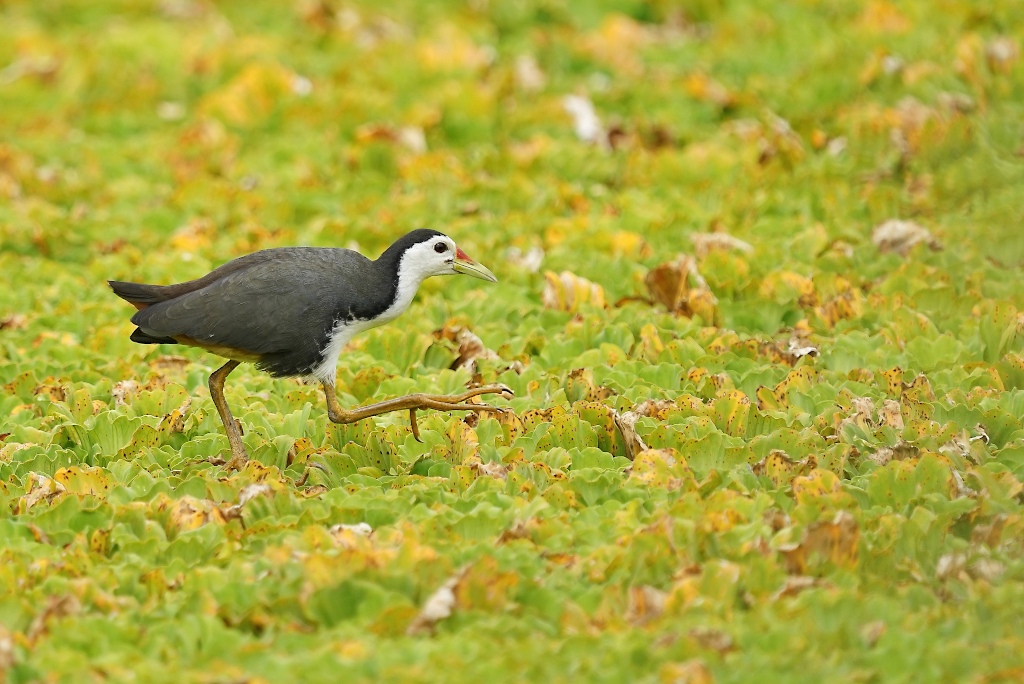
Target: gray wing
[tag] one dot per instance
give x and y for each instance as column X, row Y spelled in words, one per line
column 279, row 307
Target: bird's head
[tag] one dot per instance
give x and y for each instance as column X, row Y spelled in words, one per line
column 426, row 253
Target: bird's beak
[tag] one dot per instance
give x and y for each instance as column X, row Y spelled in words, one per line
column 463, row 264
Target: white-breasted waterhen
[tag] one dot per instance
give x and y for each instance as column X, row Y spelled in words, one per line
column 291, row 310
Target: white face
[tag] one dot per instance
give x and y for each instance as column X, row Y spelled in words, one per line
column 435, row 256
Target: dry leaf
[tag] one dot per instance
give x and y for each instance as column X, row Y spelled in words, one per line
column 529, row 76
column 987, row 569
column 959, row 103
column 586, row 123
column 715, row 639
column 451, row 49
column 618, row 43
column 170, row 111
column 51, row 388
column 40, row 488
column 704, row 243
column 872, row 632
column 518, row 530
column 958, row 446
column 778, row 467
column 362, row 529
column 56, row 607
column 567, row 291
column 349, row 536
column 252, row 491
column 184, row 10
column 990, row 534
column 688, row 672
column 13, row 322
column 836, row 146
column 6, row 650
column 902, row 236
column 882, row 16
column 529, row 261
column 254, row 93
column 882, row 456
column 235, row 512
column 174, row 422
column 795, row 352
column 438, row 607
column 950, row 565
column 794, row 585
column 962, row 490
column 646, row 603
column 190, row 513
column 626, row 423
column 624, row 242
column 124, row 391
column 890, row 414
column 702, row 87
column 836, row 541
column 661, row 468
column 491, row 469
column 195, row 235
column 43, row 68
column 471, row 348
column 654, row 408
column 411, row 138
column 169, row 364
column 1001, row 53
column 679, row 287
column 580, row 384
column 775, row 138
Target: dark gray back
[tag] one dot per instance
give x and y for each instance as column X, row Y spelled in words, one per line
column 279, row 304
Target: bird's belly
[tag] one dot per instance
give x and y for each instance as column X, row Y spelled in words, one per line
column 344, row 331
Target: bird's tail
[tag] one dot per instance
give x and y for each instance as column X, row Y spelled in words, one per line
column 141, row 295
column 144, row 338
column 138, row 294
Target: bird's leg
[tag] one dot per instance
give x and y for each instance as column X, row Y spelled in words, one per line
column 239, row 457
column 411, row 403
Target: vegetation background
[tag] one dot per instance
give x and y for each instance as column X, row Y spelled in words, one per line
column 760, row 299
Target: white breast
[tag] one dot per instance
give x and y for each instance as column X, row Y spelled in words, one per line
column 408, row 283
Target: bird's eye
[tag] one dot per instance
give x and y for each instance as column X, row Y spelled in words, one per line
column 440, row 248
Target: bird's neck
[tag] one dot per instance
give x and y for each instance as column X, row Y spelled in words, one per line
column 407, row 280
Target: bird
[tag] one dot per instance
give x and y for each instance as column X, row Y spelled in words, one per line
column 292, row 310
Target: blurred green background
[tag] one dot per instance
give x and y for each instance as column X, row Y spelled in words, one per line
column 835, row 487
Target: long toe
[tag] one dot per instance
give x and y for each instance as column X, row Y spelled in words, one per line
column 503, row 390
column 506, row 392
column 479, row 408
column 415, row 427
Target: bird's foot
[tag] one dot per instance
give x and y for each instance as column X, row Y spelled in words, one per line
column 415, row 402
column 238, row 461
column 503, row 390
column 237, row 464
column 459, row 402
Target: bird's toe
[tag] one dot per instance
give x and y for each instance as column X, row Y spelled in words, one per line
column 504, row 391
